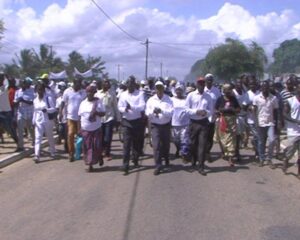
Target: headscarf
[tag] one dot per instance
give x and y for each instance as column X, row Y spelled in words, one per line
column 91, row 88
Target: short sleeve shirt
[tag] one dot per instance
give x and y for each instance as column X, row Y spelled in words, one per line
column 265, row 109
column 72, row 102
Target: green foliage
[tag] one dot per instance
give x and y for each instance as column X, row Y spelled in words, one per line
column 227, row 61
column 286, row 57
column 31, row 63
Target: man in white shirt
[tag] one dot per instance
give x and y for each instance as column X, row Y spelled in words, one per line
column 112, row 115
column 72, row 98
column 62, row 125
column 23, row 102
column 199, row 105
column 292, row 117
column 214, row 93
column 159, row 110
column 131, row 105
column 265, row 108
column 251, row 119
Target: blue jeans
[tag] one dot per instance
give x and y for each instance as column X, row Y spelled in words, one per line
column 266, row 133
column 254, row 131
column 107, row 131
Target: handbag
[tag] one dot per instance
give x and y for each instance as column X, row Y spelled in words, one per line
column 53, row 115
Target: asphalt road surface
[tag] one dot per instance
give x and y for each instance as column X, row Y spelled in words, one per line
column 59, row 200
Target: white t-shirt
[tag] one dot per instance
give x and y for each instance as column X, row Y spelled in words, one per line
column 248, row 101
column 4, row 100
column 265, row 109
column 58, row 104
column 84, row 112
column 72, row 102
column 293, row 129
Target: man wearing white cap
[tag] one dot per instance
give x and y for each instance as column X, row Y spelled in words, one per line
column 159, row 110
column 214, row 93
column 62, row 123
column 23, row 102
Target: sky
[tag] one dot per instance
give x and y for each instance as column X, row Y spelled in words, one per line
column 180, row 31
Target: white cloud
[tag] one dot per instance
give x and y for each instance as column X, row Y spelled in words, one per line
column 80, row 26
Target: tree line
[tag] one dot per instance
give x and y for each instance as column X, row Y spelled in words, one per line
column 229, row 60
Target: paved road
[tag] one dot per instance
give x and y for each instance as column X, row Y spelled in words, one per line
column 58, row 200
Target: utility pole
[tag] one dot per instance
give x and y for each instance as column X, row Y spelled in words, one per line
column 161, row 68
column 118, row 66
column 147, row 48
column 51, row 56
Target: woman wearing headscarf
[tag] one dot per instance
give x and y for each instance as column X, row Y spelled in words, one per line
column 90, row 112
column 227, row 108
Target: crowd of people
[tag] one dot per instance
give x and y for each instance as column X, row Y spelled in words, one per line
column 192, row 116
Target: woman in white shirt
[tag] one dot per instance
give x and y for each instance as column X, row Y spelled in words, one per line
column 43, row 105
column 90, row 112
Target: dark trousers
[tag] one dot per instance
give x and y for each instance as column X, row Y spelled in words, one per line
column 143, row 130
column 198, row 134
column 210, row 137
column 107, row 134
column 63, row 134
column 161, row 137
column 131, row 139
column 6, row 121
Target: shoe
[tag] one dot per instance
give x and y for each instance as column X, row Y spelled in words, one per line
column 271, row 165
column 101, row 162
column 19, row 149
column 36, row 159
column 261, row 164
column 136, row 164
column 202, row 172
column 231, row 163
column 208, row 157
column 284, row 166
column 156, row 172
column 238, row 159
column 90, row 169
column 167, row 163
column 71, row 158
column 125, row 169
column 108, row 157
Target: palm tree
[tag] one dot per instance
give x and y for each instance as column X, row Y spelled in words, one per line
column 27, row 63
column 46, row 59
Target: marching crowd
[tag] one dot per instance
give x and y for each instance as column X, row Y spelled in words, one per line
column 192, row 116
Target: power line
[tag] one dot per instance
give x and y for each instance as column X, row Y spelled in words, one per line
column 175, row 48
column 118, row 26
